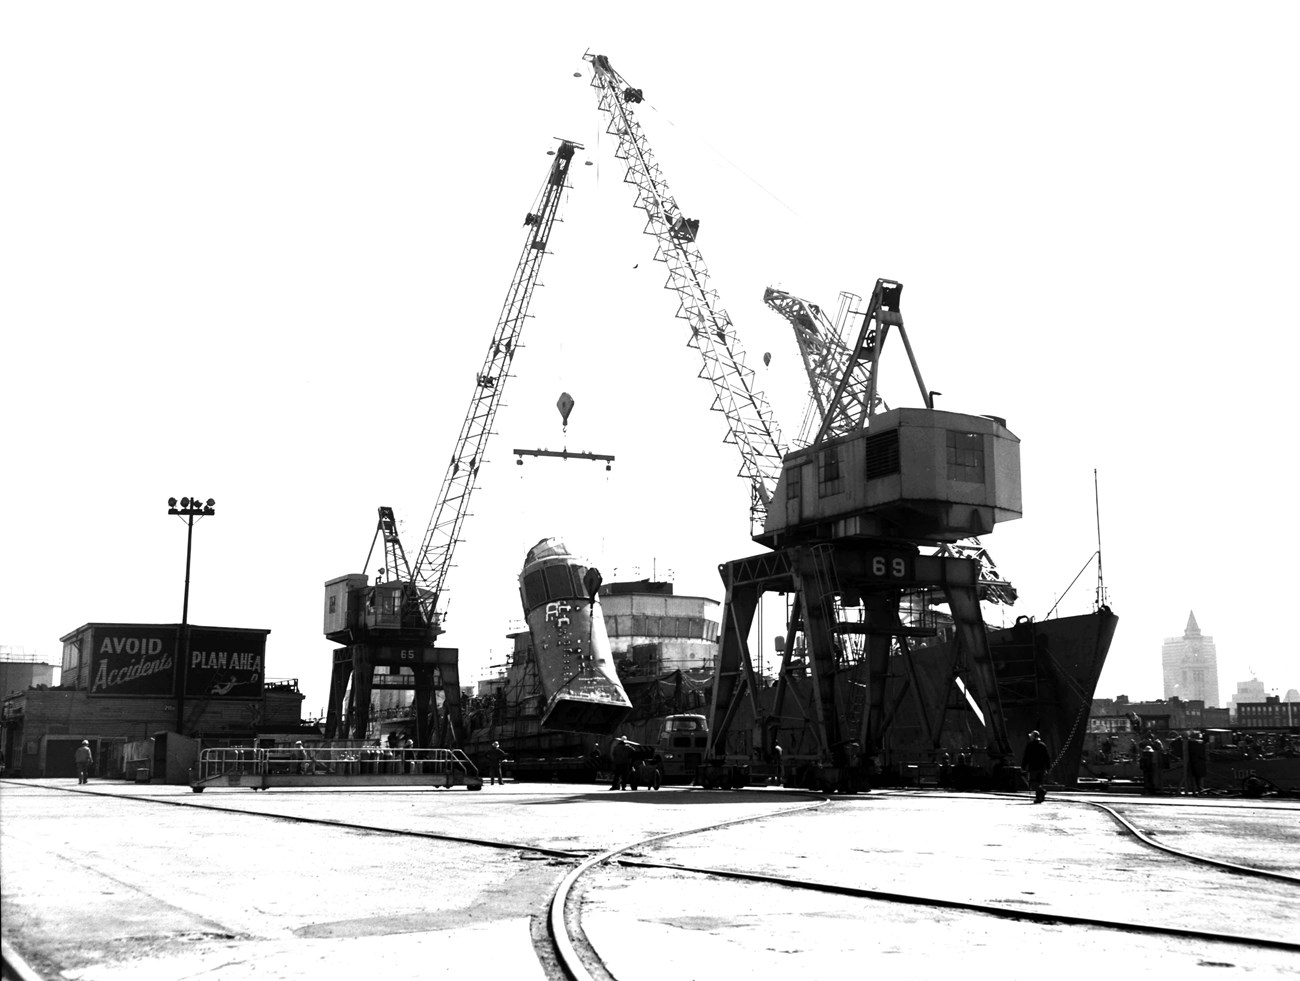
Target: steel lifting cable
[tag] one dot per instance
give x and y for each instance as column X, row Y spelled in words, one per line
column 1073, row 729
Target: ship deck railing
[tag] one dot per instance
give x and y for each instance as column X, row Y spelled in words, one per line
column 331, row 766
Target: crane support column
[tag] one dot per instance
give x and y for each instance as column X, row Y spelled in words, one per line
column 844, row 685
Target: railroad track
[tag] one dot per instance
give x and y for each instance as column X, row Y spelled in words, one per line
column 582, row 961
column 564, row 948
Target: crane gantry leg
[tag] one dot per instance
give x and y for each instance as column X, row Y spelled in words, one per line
column 843, row 670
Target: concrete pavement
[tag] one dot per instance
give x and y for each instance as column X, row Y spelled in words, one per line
column 114, row 881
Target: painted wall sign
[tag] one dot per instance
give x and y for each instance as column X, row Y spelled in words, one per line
column 225, row 663
column 142, row 660
column 133, row 659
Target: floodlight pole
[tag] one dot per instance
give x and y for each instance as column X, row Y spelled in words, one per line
column 190, row 508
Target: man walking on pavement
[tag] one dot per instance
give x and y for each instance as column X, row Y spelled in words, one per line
column 496, row 755
column 621, row 754
column 1036, row 762
column 85, row 759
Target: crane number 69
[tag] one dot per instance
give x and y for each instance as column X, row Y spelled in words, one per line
column 883, row 566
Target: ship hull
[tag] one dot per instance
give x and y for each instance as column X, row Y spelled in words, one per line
column 580, row 687
column 1046, row 672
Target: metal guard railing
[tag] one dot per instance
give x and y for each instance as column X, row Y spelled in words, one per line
column 309, row 760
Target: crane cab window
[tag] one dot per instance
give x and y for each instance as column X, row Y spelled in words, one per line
column 829, row 482
column 965, row 457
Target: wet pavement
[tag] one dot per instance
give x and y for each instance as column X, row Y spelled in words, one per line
column 114, row 881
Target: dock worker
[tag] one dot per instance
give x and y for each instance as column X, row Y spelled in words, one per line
column 304, row 758
column 84, row 759
column 1196, row 762
column 1036, row 762
column 1147, row 763
column 496, row 756
column 621, row 754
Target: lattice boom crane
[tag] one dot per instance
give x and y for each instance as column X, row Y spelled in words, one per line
column 396, row 622
column 433, row 560
column 749, row 417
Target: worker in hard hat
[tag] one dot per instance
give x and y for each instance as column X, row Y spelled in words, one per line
column 85, row 760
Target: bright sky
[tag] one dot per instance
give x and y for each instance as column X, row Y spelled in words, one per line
column 256, row 252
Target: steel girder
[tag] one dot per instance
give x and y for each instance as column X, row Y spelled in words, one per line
column 852, row 702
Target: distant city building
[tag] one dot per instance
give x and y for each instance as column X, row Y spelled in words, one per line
column 1247, row 691
column 1272, row 712
column 1174, row 713
column 1191, row 669
column 20, row 670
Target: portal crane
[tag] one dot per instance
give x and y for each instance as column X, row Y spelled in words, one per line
column 749, row 417
column 396, row 623
column 852, row 512
column 841, row 384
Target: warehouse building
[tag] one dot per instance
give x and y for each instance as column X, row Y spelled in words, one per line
column 146, row 709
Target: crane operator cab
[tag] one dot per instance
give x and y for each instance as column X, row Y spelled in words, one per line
column 916, row 474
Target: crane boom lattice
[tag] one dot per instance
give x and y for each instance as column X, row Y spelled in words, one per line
column 825, row 358
column 433, row 561
column 749, row 417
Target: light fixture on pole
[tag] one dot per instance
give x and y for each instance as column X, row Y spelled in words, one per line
column 187, row 508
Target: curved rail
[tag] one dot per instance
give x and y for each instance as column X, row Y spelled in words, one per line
column 564, row 921
column 559, row 921
column 1141, row 836
column 1190, row 856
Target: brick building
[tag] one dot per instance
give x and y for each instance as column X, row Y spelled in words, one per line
column 1271, row 713
column 120, row 691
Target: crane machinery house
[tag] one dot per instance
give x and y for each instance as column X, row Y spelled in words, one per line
column 920, row 475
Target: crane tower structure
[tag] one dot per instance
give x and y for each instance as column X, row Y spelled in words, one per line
column 395, row 623
column 850, row 515
column 846, row 518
